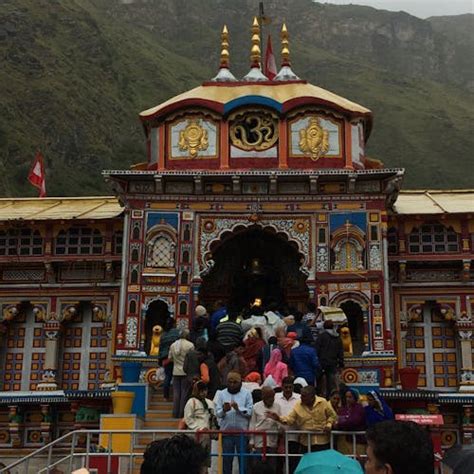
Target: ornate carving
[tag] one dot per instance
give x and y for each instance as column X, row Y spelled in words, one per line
column 9, row 312
column 314, row 139
column 256, row 130
column 287, row 226
column 131, row 332
column 322, row 259
column 375, row 257
column 193, row 138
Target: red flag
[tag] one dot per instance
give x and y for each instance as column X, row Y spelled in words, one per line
column 270, row 64
column 37, row 175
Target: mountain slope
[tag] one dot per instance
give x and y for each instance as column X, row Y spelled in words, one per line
column 75, row 74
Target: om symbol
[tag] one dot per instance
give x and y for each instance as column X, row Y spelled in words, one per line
column 254, row 131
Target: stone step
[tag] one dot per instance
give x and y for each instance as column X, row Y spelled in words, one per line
column 161, row 424
column 157, row 415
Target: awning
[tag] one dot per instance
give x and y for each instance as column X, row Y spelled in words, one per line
column 334, row 314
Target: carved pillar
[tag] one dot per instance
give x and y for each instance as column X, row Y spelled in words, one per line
column 15, row 425
column 402, row 271
column 465, row 327
column 109, row 371
column 403, row 338
column 52, row 326
column 46, row 423
column 467, row 424
column 466, row 270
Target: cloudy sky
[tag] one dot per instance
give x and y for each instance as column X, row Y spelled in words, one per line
column 420, row 8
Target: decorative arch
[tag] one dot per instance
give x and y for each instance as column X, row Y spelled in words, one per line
column 215, row 231
column 168, row 300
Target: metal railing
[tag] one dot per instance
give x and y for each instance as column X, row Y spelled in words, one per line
column 82, row 450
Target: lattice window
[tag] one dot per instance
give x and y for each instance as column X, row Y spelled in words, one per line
column 433, row 238
column 392, row 238
column 79, row 241
column 348, row 255
column 25, row 242
column 161, row 252
column 117, row 243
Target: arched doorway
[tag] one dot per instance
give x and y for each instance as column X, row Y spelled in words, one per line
column 156, row 314
column 255, row 263
column 355, row 319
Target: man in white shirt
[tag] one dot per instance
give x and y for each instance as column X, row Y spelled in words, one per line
column 260, row 421
column 287, row 400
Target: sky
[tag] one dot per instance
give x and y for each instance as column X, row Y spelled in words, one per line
column 419, row 8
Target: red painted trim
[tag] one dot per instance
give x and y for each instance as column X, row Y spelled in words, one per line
column 161, row 147
column 348, row 145
column 283, row 144
column 224, row 144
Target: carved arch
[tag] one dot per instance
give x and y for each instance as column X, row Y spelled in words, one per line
column 294, row 231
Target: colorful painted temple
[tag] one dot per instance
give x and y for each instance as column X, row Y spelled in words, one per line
column 252, row 188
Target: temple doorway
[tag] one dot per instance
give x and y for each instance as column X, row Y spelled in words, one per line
column 156, row 314
column 355, row 320
column 255, row 263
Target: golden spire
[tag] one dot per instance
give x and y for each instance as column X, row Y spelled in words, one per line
column 225, row 47
column 285, row 50
column 255, row 52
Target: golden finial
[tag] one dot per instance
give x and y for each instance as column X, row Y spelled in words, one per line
column 255, row 52
column 285, row 50
column 225, row 47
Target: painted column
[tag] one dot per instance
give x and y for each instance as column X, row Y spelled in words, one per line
column 108, row 376
column 52, row 327
column 365, row 316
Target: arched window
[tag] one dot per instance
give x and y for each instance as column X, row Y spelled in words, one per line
column 392, row 239
column 348, row 255
column 433, row 238
column 79, row 241
column 161, row 252
column 185, row 256
column 348, row 248
column 20, row 242
column 136, row 232
column 134, row 277
column 183, row 308
column 134, row 255
column 186, row 233
column 184, row 278
column 132, row 308
column 117, row 243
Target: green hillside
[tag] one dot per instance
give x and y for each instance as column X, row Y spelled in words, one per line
column 75, row 74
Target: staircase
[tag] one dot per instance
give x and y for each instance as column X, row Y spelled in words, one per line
column 158, row 417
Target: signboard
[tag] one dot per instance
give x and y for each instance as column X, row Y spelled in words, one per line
column 421, row 419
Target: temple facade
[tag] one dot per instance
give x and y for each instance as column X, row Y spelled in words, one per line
column 252, row 188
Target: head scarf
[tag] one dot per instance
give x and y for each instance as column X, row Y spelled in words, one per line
column 376, row 415
column 275, row 359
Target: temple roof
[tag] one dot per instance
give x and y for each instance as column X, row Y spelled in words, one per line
column 59, row 208
column 435, row 201
column 281, row 95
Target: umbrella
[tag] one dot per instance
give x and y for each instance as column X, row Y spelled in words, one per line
column 328, row 461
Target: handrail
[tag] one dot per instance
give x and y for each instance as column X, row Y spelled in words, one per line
column 48, row 448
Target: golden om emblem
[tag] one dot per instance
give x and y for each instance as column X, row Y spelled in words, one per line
column 314, row 139
column 254, row 131
column 193, row 138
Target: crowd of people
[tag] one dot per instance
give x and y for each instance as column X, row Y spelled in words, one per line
column 264, row 370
